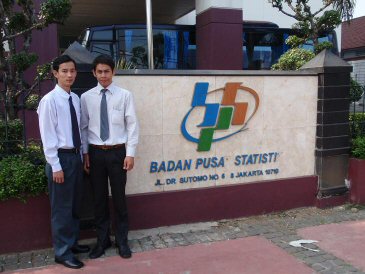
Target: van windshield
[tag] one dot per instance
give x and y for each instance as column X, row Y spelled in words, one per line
column 173, row 48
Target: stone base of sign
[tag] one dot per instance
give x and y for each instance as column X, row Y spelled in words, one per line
column 207, row 204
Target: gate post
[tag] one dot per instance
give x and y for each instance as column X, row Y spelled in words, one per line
column 333, row 132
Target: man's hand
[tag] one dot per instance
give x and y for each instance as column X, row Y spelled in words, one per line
column 128, row 163
column 86, row 163
column 58, row 177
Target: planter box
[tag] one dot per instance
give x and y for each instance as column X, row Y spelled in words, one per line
column 25, row 226
column 357, row 178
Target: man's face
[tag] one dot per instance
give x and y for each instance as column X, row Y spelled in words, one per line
column 104, row 74
column 65, row 75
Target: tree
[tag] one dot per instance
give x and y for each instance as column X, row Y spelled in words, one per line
column 18, row 18
column 311, row 24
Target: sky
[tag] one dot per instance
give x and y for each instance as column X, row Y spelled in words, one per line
column 359, row 8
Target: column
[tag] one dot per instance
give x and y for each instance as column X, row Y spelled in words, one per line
column 219, row 34
column 333, row 135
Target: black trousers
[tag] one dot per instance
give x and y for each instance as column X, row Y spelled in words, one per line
column 104, row 165
column 65, row 202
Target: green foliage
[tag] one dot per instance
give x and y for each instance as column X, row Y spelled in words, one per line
column 11, row 143
column 294, row 41
column 22, row 175
column 32, row 101
column 19, row 18
column 34, row 153
column 21, row 2
column 17, row 22
column 296, row 57
column 7, row 4
column 358, row 147
column 328, row 21
column 23, row 60
column 356, row 91
column 44, row 71
column 293, row 59
column 321, row 46
column 55, row 11
column 357, row 124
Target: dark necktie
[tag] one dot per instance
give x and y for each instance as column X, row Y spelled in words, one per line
column 104, row 124
column 75, row 127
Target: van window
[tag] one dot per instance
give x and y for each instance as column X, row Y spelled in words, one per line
column 102, row 35
column 102, row 48
column 261, row 49
column 132, row 46
column 170, row 46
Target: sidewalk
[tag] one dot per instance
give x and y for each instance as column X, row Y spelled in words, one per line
column 257, row 244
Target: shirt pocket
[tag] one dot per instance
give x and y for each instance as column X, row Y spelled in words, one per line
column 117, row 117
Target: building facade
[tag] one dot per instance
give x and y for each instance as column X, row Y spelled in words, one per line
column 353, row 47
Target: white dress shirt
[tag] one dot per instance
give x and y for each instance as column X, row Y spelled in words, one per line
column 55, row 123
column 123, row 125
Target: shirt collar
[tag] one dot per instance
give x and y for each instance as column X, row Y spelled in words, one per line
column 63, row 93
column 109, row 88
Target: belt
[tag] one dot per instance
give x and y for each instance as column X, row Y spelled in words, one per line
column 69, row 150
column 106, row 147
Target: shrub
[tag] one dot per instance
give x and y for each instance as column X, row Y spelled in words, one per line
column 31, row 103
column 293, row 59
column 321, row 46
column 356, row 91
column 11, row 143
column 23, row 175
column 358, row 147
column 357, row 124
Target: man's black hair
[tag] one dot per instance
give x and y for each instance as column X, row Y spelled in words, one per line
column 60, row 60
column 105, row 60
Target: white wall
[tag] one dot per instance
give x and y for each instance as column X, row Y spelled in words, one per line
column 258, row 10
column 202, row 5
column 358, row 72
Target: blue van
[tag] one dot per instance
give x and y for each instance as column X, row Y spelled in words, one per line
column 174, row 46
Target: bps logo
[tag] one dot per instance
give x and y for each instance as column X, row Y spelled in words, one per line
column 227, row 118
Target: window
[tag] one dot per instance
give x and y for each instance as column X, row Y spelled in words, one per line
column 132, row 45
column 103, row 35
column 172, row 49
column 102, row 48
column 261, row 49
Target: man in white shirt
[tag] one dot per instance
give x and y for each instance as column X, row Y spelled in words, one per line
column 59, row 117
column 109, row 131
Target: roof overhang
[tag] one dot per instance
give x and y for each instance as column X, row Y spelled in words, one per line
column 87, row 13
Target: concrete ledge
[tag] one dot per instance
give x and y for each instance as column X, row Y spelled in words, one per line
column 332, row 201
column 200, row 72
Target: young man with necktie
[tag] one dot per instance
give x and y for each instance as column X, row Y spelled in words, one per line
column 109, row 130
column 59, row 117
